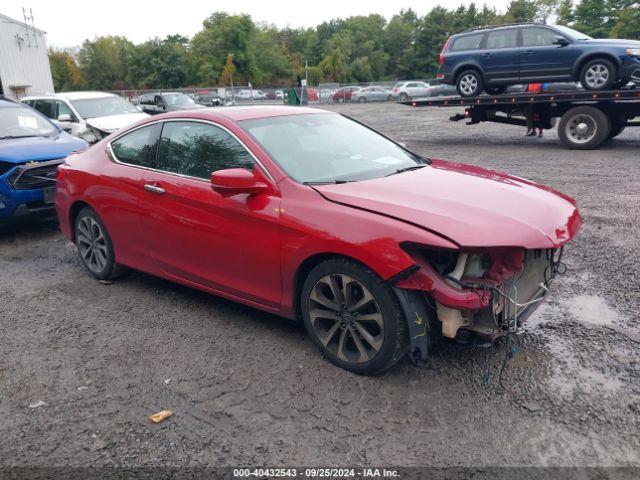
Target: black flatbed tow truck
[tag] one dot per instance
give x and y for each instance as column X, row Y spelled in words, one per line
column 587, row 119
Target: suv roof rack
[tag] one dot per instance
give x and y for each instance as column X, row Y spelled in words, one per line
column 489, row 27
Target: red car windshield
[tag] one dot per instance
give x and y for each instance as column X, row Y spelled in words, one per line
column 328, row 148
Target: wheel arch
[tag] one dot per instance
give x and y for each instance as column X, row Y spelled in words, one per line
column 74, row 210
column 587, row 57
column 466, row 66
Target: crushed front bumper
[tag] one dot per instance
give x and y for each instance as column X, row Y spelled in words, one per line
column 27, row 191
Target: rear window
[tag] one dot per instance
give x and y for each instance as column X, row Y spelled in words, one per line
column 468, row 42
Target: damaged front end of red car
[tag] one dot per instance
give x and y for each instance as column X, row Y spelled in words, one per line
column 477, row 292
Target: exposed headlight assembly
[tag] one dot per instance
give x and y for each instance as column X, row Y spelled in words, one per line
column 634, row 52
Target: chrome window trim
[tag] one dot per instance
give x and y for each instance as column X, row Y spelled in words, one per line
column 113, row 157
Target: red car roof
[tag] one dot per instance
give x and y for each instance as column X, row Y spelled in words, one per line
column 263, row 111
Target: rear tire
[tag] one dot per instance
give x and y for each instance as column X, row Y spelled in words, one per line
column 584, row 128
column 598, row 74
column 497, row 90
column 404, row 97
column 469, row 83
column 95, row 246
column 354, row 317
column 362, row 100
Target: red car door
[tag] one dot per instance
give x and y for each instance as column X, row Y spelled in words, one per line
column 119, row 193
column 228, row 244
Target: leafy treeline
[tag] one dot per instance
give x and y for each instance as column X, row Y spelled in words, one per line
column 356, row 49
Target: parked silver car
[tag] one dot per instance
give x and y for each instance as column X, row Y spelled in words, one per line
column 371, row 94
column 408, row 90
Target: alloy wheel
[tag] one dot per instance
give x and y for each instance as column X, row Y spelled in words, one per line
column 92, row 244
column 469, row 84
column 597, row 75
column 346, row 318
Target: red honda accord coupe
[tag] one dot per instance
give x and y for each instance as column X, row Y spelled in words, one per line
column 309, row 214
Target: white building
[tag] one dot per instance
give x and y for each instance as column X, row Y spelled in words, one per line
column 24, row 60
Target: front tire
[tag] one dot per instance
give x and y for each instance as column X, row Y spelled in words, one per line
column 353, row 317
column 95, row 246
column 362, row 100
column 469, row 83
column 404, row 97
column 598, row 74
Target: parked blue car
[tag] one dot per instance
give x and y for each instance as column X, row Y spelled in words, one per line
column 31, row 148
column 492, row 58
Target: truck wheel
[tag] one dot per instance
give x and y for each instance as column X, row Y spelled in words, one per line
column 354, row 317
column 584, row 128
column 598, row 74
column 469, row 83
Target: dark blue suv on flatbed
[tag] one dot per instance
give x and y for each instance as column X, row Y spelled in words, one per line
column 492, row 58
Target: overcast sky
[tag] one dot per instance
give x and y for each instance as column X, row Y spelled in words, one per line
column 69, row 23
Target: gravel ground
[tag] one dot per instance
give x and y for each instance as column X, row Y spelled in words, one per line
column 249, row 388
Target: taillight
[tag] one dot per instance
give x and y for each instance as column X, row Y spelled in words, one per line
column 394, row 90
column 443, row 50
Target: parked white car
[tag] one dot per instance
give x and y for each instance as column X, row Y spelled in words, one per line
column 88, row 115
column 259, row 95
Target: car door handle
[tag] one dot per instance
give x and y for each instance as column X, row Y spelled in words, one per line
column 486, row 55
column 154, row 189
column 528, row 52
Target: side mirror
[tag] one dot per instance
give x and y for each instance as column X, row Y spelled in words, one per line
column 65, row 117
column 234, row 181
column 560, row 40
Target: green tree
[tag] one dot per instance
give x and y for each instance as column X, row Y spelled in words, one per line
column 335, row 68
column 628, row 23
column 159, row 63
column 521, row 11
column 222, row 34
column 104, row 62
column 399, row 40
column 593, row 17
column 565, row 13
column 65, row 72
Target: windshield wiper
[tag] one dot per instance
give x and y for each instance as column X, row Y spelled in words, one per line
column 328, row 182
column 406, row 169
column 7, row 137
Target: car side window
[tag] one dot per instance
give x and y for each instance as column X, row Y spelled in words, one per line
column 502, row 39
column 198, row 149
column 47, row 108
column 538, row 37
column 137, row 147
column 468, row 42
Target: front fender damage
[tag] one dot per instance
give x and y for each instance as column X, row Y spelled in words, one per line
column 486, row 293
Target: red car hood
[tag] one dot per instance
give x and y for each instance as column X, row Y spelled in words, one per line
column 470, row 206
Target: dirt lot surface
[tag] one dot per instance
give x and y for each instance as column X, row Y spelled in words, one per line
column 250, row 388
